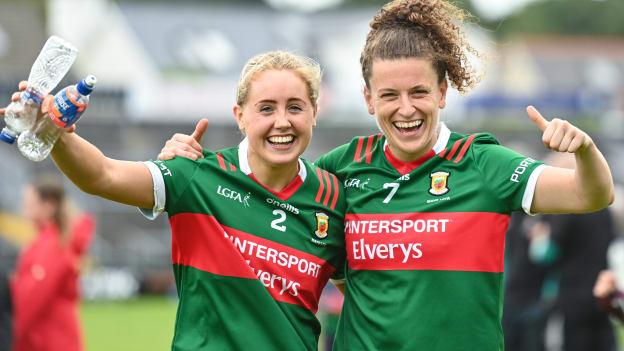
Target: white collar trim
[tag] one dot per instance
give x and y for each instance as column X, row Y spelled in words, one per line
column 243, row 149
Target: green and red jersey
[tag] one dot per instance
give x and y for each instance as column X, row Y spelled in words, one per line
column 249, row 263
column 425, row 241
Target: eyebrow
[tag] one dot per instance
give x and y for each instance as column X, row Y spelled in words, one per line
column 269, row 101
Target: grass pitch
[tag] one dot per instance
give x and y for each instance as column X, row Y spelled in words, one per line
column 143, row 324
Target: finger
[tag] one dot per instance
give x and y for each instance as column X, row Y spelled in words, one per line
column 537, row 118
column 2, row 111
column 165, row 155
column 22, row 85
column 71, row 129
column 176, row 146
column 16, row 96
column 560, row 130
column 200, row 129
column 47, row 103
column 576, row 143
column 188, row 140
column 565, row 143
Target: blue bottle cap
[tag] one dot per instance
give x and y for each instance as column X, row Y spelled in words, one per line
column 85, row 86
column 7, row 138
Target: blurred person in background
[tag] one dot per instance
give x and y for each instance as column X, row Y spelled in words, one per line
column 609, row 297
column 45, row 285
column 427, row 209
column 257, row 231
column 529, row 290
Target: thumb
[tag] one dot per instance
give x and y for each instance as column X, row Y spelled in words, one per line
column 200, row 129
column 537, row 118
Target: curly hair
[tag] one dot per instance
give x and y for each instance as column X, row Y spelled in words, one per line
column 422, row 29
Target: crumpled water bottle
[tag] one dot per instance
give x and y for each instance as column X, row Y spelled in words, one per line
column 62, row 112
column 53, row 62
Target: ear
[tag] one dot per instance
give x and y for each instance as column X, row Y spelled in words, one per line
column 369, row 100
column 238, row 116
column 315, row 113
column 443, row 90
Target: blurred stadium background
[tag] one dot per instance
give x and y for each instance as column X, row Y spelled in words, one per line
column 162, row 65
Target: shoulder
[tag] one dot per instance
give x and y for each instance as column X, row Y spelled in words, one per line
column 359, row 149
column 461, row 146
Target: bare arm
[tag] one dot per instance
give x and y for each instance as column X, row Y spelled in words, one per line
column 586, row 188
column 86, row 166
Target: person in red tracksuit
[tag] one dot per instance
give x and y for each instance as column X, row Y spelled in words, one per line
column 44, row 287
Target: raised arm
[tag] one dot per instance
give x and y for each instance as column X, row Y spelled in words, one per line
column 86, row 166
column 586, row 188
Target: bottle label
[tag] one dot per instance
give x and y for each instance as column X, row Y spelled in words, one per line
column 65, row 110
column 31, row 95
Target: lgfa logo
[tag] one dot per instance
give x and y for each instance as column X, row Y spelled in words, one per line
column 439, row 182
column 322, row 225
column 231, row 194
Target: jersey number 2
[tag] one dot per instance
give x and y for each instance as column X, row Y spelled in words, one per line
column 393, row 189
column 275, row 224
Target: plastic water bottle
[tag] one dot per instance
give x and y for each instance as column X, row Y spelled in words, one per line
column 63, row 111
column 53, row 62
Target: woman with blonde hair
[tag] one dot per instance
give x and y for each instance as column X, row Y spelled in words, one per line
column 257, row 231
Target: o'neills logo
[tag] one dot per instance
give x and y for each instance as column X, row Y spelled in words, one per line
column 233, row 195
column 322, row 225
column 439, row 183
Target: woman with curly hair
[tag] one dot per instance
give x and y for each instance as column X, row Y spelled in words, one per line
column 428, row 208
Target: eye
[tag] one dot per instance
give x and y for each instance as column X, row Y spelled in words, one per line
column 388, row 96
column 419, row 93
column 295, row 108
column 266, row 109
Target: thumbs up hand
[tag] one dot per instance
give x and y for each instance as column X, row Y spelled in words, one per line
column 185, row 145
column 559, row 135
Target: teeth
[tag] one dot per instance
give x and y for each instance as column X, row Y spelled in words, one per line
column 410, row 124
column 281, row 139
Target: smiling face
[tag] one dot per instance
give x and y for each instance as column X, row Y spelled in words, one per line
column 405, row 96
column 277, row 118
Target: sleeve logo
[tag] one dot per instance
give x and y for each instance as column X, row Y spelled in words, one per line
column 439, row 182
column 322, row 225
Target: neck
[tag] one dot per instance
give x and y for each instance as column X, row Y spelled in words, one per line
column 413, row 156
column 274, row 177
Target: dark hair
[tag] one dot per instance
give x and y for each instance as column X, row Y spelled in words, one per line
column 421, row 29
column 50, row 188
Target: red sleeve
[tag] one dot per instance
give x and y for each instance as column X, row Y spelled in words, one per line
column 83, row 229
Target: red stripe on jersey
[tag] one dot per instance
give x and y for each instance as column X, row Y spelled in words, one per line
column 285, row 193
column 321, row 187
column 454, row 149
column 221, row 161
column 406, row 167
column 464, row 148
column 290, row 275
column 449, row 241
column 336, row 192
column 369, row 146
column 329, row 188
column 442, row 153
column 232, row 167
column 358, row 151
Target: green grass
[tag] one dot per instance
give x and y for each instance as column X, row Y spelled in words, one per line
column 144, row 324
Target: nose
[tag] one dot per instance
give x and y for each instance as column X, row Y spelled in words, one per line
column 406, row 108
column 282, row 120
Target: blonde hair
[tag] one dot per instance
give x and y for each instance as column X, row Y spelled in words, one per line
column 422, row 29
column 307, row 68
